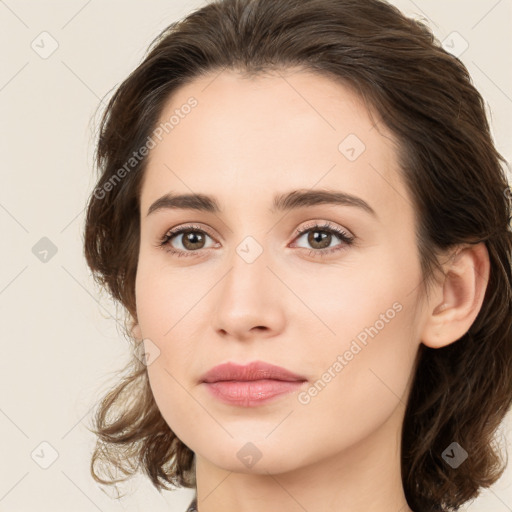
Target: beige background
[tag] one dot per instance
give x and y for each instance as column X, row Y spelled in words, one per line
column 60, row 346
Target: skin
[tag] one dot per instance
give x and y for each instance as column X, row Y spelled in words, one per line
column 247, row 140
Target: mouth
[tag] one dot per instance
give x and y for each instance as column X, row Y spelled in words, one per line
column 251, row 393
column 254, row 384
column 257, row 370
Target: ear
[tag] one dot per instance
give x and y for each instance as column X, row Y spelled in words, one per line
column 457, row 299
column 135, row 330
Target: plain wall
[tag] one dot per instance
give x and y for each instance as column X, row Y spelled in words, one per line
column 61, row 347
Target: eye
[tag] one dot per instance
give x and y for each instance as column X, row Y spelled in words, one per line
column 193, row 239
column 319, row 237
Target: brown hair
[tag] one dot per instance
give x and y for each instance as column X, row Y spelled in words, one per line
column 449, row 163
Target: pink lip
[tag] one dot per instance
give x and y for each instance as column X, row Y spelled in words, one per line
column 250, row 385
column 256, row 370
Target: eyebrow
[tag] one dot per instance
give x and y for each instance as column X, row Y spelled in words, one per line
column 282, row 202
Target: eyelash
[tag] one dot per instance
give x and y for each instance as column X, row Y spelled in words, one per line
column 348, row 240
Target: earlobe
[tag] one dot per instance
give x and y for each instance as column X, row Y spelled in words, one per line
column 459, row 297
column 136, row 331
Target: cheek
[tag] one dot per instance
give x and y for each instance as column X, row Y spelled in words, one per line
column 365, row 326
column 168, row 303
column 342, row 301
column 363, row 372
column 166, row 294
column 164, row 318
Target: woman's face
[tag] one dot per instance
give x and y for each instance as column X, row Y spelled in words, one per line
column 257, row 281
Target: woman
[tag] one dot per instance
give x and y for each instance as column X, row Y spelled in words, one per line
column 302, row 210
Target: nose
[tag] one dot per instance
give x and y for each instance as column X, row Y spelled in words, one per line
column 250, row 300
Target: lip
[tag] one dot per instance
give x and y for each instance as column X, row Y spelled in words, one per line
column 257, row 370
column 250, row 385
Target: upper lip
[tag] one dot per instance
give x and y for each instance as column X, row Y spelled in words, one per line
column 253, row 371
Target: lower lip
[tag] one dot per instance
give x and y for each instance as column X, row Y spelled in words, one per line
column 251, row 393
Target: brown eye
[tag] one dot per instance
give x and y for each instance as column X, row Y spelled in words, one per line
column 193, row 240
column 186, row 241
column 319, row 239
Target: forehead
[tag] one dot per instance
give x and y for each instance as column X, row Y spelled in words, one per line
column 282, row 131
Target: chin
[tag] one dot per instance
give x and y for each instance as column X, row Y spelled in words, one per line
column 257, row 458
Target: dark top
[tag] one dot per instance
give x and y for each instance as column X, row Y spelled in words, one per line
column 193, row 505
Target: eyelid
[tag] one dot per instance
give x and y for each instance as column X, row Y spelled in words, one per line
column 344, row 236
column 322, row 224
column 311, row 224
column 191, row 227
